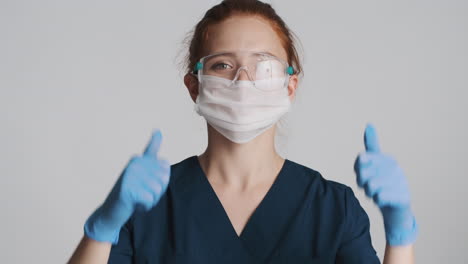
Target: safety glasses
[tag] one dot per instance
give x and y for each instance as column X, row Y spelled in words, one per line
column 259, row 67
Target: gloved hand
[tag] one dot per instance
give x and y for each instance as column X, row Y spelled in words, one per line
column 141, row 185
column 384, row 181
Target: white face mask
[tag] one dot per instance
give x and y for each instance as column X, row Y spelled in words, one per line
column 240, row 110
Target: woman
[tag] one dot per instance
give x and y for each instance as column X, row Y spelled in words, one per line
column 239, row 201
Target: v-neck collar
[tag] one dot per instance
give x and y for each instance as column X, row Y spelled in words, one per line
column 219, row 204
column 266, row 225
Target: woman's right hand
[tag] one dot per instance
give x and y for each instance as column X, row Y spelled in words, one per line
column 141, row 185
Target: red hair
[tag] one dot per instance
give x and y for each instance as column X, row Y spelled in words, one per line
column 227, row 8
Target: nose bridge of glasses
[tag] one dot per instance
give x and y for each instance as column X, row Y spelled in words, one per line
column 243, row 73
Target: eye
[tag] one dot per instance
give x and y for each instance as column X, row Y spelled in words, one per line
column 221, row 66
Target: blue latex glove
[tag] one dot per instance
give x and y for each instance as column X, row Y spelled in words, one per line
column 385, row 182
column 141, row 185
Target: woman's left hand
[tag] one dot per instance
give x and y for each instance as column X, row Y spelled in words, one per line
column 384, row 181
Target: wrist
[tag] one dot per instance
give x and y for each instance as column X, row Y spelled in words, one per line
column 100, row 226
column 400, row 224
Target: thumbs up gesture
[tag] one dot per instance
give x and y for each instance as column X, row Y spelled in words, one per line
column 384, row 181
column 140, row 185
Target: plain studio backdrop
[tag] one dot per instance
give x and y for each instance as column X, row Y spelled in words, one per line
column 84, row 83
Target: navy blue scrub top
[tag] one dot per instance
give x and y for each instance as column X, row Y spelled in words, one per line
column 303, row 218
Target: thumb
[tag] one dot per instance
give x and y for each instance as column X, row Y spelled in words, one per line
column 154, row 144
column 370, row 139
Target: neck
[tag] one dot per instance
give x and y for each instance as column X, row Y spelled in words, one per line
column 241, row 166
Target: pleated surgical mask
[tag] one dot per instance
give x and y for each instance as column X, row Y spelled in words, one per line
column 241, row 110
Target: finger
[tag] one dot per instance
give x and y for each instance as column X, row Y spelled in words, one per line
column 157, row 171
column 165, row 173
column 366, row 159
column 154, row 144
column 370, row 139
column 394, row 198
column 165, row 168
column 163, row 177
column 154, row 187
column 363, row 166
column 146, row 200
column 139, row 196
column 377, row 184
column 143, row 185
column 382, row 199
column 156, row 167
column 365, row 175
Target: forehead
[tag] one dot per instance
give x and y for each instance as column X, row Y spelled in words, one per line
column 243, row 33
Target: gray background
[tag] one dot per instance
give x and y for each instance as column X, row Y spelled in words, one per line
column 83, row 84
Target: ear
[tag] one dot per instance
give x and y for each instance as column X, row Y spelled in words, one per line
column 191, row 82
column 292, row 86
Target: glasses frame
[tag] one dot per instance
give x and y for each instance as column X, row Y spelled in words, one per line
column 289, row 70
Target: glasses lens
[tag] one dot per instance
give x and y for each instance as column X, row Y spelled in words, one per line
column 222, row 65
column 271, row 68
column 258, row 66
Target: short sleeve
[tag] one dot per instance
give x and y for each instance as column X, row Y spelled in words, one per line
column 356, row 245
column 122, row 252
